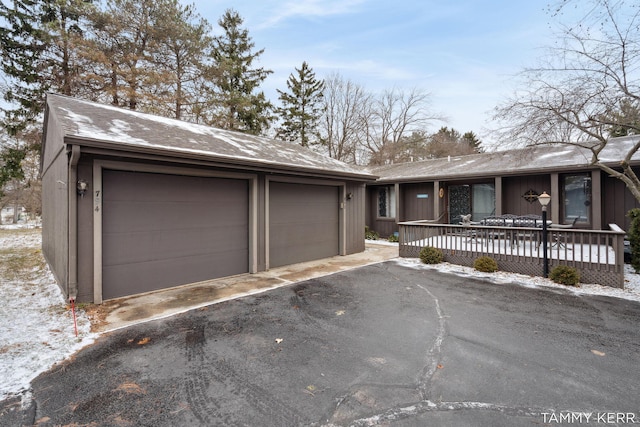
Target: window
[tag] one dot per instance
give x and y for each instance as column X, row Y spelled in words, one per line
column 483, row 200
column 576, row 190
column 386, row 202
column 476, row 199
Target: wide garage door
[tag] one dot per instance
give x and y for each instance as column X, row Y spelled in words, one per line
column 304, row 223
column 164, row 230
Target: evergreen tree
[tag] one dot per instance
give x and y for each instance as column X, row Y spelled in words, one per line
column 236, row 105
column 182, row 43
column 473, row 141
column 10, row 165
column 301, row 106
column 625, row 121
column 449, row 142
column 37, row 39
column 22, row 47
column 125, row 39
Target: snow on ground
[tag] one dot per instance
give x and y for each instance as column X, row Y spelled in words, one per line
column 631, row 280
column 37, row 324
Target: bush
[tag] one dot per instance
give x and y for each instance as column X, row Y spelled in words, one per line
column 565, row 275
column 370, row 234
column 634, row 238
column 485, row 264
column 393, row 238
column 431, row 255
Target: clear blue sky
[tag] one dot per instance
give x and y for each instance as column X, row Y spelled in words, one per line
column 464, row 52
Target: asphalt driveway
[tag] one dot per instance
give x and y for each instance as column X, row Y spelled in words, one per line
column 379, row 345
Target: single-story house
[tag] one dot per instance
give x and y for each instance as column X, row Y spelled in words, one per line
column 134, row 203
column 504, row 182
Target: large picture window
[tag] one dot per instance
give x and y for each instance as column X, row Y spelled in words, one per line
column 386, row 202
column 576, row 192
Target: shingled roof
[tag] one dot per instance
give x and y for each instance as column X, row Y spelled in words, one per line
column 527, row 160
column 105, row 126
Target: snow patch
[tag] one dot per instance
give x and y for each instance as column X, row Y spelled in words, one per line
column 38, row 330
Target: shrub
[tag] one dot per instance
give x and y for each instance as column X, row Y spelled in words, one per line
column 370, row 234
column 565, row 275
column 393, row 238
column 485, row 264
column 634, row 238
column 431, row 255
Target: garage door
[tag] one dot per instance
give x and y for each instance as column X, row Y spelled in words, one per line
column 161, row 230
column 304, row 223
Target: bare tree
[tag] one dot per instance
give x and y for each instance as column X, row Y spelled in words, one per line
column 346, row 109
column 396, row 115
column 577, row 95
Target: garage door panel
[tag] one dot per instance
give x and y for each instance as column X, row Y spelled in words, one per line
column 127, row 279
column 164, row 230
column 163, row 245
column 303, row 223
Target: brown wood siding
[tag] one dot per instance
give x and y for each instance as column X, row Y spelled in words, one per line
column 161, row 230
column 415, row 208
column 55, row 218
column 617, row 200
column 383, row 226
column 355, row 217
column 513, row 188
column 304, row 222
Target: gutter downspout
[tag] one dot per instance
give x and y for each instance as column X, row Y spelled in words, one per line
column 73, row 223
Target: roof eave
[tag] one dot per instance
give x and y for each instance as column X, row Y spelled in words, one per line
column 214, row 158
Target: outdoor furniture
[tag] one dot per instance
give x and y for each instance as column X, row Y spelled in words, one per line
column 494, row 221
column 523, row 222
column 556, row 236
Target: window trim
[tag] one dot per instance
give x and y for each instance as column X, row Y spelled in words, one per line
column 587, row 178
column 390, row 202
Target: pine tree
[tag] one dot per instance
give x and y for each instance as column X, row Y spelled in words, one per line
column 301, row 106
column 125, row 38
column 37, row 41
column 624, row 121
column 473, row 141
column 22, row 47
column 179, row 54
column 235, row 104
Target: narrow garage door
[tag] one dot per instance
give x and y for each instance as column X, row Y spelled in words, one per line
column 304, row 223
column 161, row 230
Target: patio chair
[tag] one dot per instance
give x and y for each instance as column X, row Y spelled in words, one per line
column 494, row 221
column 556, row 236
column 521, row 222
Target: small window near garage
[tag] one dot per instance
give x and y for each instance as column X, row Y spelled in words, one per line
column 386, row 202
column 576, row 191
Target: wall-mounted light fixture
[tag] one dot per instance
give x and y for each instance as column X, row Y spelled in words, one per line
column 81, row 186
column 349, row 196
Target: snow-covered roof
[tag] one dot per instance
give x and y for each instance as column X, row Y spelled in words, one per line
column 528, row 160
column 124, row 129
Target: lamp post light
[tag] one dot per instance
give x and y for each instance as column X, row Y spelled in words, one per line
column 544, row 200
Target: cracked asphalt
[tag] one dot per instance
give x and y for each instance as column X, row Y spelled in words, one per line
column 379, row 345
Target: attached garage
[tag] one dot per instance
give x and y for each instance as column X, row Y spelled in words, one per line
column 163, row 230
column 304, row 222
column 135, row 203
